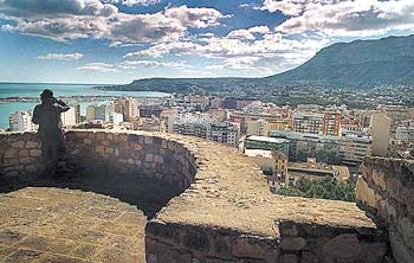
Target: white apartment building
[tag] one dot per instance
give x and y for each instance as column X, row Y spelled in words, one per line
column 22, row 121
column 202, row 125
column 69, row 118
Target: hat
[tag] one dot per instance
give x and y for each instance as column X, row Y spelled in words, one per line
column 47, row 93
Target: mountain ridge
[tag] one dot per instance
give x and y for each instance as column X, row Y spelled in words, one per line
column 359, row 63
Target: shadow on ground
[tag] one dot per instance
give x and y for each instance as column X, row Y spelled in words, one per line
column 149, row 195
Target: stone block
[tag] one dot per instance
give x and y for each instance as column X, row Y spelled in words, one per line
column 406, row 228
column 148, row 140
column 196, row 240
column 396, row 189
column 100, row 149
column 288, row 258
column 149, row 157
column 10, row 153
column 342, row 247
column 31, row 145
column 158, row 159
column 364, row 193
column 18, row 144
column 293, row 243
column 10, row 162
column 379, row 180
column 308, row 257
column 35, row 153
column 400, row 251
column 24, row 153
column 288, row 229
column 247, row 247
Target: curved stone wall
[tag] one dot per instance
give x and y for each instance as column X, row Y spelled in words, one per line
column 140, row 154
column 225, row 212
column 386, row 191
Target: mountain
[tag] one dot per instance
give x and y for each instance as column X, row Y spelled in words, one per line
column 384, row 61
column 361, row 63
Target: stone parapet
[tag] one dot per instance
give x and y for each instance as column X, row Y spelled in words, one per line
column 386, row 192
column 223, row 210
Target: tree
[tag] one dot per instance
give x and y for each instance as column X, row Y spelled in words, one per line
column 326, row 188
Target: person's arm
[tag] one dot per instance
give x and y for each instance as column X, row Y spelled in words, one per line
column 62, row 106
column 35, row 118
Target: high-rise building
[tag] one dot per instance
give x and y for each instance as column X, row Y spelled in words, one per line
column 224, row 132
column 69, row 118
column 380, row 131
column 116, row 118
column 101, row 113
column 22, row 121
column 90, row 113
column 257, row 127
column 128, row 107
column 331, row 123
column 307, row 123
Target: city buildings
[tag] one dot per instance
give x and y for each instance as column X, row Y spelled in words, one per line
column 331, row 124
column 380, row 131
column 267, row 143
column 349, row 148
column 308, row 123
column 128, row 107
column 70, row 118
column 202, row 125
column 405, row 134
column 22, row 121
column 224, row 132
column 97, row 112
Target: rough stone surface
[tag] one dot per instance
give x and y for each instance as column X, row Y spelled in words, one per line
column 223, row 211
column 386, row 192
column 59, row 225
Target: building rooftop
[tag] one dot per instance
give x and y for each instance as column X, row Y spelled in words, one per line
column 266, row 139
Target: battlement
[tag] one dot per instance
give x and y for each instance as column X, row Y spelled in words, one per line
column 219, row 208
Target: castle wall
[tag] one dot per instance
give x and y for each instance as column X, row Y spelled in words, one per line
column 222, row 211
column 386, row 192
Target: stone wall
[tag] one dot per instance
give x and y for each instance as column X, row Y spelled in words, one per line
column 223, row 210
column 139, row 154
column 142, row 155
column 20, row 156
column 386, row 192
column 297, row 243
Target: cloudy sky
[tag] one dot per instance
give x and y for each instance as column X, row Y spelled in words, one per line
column 116, row 41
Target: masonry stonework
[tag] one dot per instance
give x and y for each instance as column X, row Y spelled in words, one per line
column 386, row 192
column 223, row 210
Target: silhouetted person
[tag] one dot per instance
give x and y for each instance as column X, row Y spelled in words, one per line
column 47, row 115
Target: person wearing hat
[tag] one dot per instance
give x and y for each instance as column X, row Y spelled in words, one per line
column 47, row 116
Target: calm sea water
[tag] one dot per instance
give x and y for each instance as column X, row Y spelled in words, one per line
column 34, row 90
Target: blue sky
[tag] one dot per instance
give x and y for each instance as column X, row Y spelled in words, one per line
column 117, row 41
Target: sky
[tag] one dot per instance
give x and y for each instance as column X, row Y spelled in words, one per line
column 117, row 41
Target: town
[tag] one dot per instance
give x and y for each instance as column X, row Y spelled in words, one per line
column 292, row 146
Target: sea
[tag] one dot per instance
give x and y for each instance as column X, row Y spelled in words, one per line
column 59, row 90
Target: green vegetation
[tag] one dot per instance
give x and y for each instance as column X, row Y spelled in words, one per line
column 322, row 155
column 327, row 188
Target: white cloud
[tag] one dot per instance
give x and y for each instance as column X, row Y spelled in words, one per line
column 134, row 2
column 344, row 18
column 99, row 67
column 63, row 20
column 153, row 63
column 292, row 7
column 61, row 56
column 248, row 33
